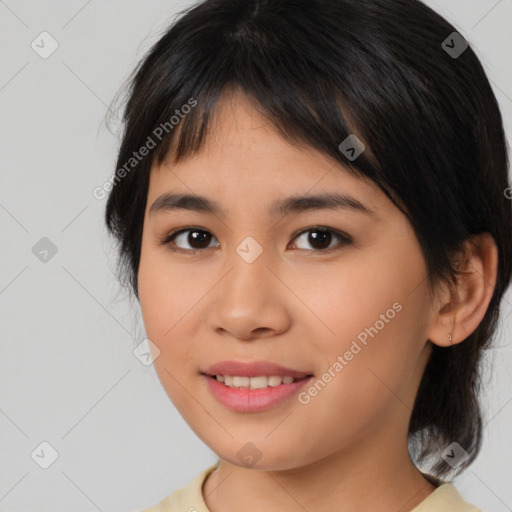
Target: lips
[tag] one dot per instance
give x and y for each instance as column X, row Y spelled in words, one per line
column 253, row 369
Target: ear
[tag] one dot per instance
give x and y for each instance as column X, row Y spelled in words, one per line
column 460, row 309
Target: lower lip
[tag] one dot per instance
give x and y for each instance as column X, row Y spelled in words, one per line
column 253, row 400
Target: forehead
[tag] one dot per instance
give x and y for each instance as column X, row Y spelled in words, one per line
column 244, row 154
column 238, row 124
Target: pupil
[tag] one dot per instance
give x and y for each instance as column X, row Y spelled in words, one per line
column 199, row 238
column 320, row 236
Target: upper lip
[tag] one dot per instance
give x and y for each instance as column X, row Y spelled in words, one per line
column 253, row 369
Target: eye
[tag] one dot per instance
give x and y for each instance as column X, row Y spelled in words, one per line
column 322, row 237
column 197, row 238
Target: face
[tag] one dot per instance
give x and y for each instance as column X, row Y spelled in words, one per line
column 335, row 293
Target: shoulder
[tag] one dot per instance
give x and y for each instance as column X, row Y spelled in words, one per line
column 446, row 498
column 186, row 499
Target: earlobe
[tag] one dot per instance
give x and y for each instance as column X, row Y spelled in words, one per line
column 461, row 309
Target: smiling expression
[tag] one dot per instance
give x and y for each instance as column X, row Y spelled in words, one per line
column 234, row 269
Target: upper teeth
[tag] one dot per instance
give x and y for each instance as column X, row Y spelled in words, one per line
column 234, row 381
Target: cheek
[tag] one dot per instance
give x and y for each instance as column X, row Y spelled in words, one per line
column 376, row 318
column 169, row 297
column 165, row 293
column 163, row 303
column 349, row 297
column 361, row 386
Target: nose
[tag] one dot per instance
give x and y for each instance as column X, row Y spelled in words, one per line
column 250, row 300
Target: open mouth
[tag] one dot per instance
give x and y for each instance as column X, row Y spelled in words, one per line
column 259, row 382
column 255, row 393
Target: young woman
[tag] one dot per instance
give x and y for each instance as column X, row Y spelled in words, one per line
column 310, row 205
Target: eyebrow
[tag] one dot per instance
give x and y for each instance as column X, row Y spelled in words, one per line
column 168, row 202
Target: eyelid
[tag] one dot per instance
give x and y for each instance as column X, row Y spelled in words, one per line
column 166, row 239
column 319, row 227
column 344, row 237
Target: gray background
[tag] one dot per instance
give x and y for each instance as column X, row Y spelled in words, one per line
column 68, row 375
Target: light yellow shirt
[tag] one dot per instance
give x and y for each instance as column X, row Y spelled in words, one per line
column 445, row 498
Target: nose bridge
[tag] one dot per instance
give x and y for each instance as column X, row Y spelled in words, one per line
column 248, row 263
column 248, row 298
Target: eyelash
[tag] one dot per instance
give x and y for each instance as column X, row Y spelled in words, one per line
column 168, row 238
